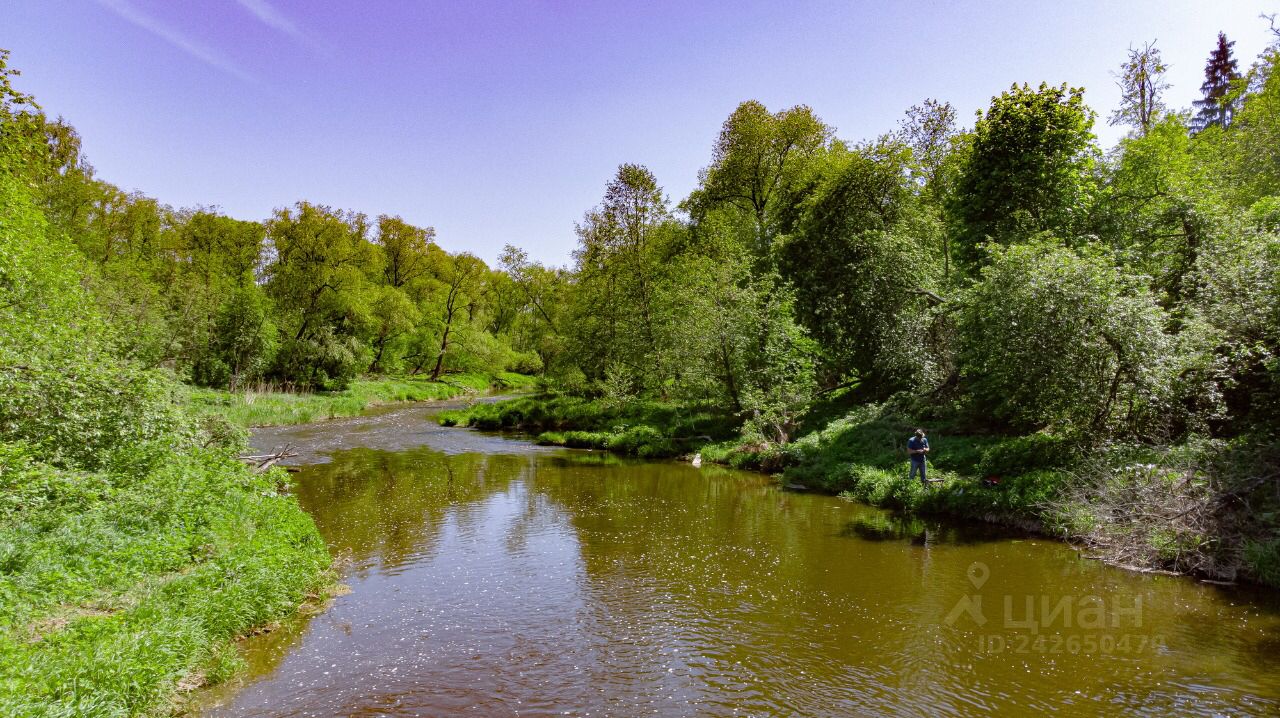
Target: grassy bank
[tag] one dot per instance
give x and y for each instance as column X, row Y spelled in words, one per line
column 121, row 586
column 648, row 429
column 272, row 408
column 1202, row 508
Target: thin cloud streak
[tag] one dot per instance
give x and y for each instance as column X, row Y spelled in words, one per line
column 270, row 16
column 128, row 12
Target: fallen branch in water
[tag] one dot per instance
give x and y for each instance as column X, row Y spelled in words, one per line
column 262, row 462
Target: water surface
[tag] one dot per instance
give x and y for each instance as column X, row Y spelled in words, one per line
column 491, row 577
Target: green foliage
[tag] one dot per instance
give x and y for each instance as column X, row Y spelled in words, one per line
column 244, row 341
column 1263, row 560
column 757, row 161
column 1051, row 338
column 1028, row 170
column 640, row 428
column 1230, row 382
column 859, row 264
column 133, row 546
column 118, row 584
column 267, row 407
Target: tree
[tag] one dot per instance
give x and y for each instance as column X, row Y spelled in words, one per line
column 21, row 127
column 1219, row 105
column 459, row 278
column 221, row 249
column 244, row 341
column 64, row 392
column 1053, row 338
column 315, row 278
column 756, row 157
column 1141, row 81
column 1028, row 170
column 544, row 303
column 1248, row 157
column 856, row 269
column 392, row 316
column 623, row 248
column 929, row 129
column 404, row 249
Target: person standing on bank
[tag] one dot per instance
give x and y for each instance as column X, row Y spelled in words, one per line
column 917, row 448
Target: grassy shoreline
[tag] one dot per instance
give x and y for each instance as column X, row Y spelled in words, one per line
column 1029, row 482
column 125, row 587
column 275, row 408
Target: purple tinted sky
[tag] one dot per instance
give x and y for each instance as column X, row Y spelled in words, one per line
column 501, row 122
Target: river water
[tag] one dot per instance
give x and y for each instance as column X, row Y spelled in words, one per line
column 493, row 577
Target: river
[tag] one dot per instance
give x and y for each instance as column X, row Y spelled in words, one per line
column 493, row 577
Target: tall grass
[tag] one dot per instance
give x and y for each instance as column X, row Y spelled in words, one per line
column 273, row 406
column 117, row 585
column 648, row 429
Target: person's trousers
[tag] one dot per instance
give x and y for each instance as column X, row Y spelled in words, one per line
column 918, row 465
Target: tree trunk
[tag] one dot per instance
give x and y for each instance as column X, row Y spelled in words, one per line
column 444, row 345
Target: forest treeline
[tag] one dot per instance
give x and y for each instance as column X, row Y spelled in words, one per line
column 1012, row 271
column 309, row 298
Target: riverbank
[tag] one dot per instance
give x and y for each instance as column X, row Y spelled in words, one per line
column 279, row 408
column 122, row 588
column 1198, row 509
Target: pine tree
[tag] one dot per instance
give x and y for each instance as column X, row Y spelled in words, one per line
column 1219, row 104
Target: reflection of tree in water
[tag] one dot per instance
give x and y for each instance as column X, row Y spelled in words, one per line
column 887, row 527
column 878, row 525
column 371, row 503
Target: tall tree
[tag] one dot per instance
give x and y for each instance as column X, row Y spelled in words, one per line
column 1029, row 169
column 756, row 157
column 404, row 249
column 315, row 276
column 1141, row 81
column 1219, row 104
column 858, row 271
column 460, row 276
column 619, row 260
column 929, row 129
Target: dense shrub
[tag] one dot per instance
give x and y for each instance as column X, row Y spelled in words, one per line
column 1053, row 338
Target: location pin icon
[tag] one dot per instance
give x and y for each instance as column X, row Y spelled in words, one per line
column 978, row 574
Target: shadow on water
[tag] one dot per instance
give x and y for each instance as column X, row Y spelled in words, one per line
column 895, row 526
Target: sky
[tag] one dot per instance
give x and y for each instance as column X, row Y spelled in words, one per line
column 501, row 122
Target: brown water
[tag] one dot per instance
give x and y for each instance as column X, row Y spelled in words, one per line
column 490, row 577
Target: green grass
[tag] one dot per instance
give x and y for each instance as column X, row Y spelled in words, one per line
column 648, row 429
column 861, row 454
column 858, row 452
column 252, row 408
column 116, row 585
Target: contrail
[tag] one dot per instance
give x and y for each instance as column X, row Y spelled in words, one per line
column 270, row 16
column 126, row 10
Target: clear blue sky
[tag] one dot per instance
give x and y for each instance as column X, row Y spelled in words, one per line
column 500, row 122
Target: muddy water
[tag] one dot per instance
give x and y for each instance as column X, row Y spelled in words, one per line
column 491, row 577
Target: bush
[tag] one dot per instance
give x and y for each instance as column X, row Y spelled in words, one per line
column 1053, row 338
column 525, row 363
column 1021, row 454
column 1262, row 560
